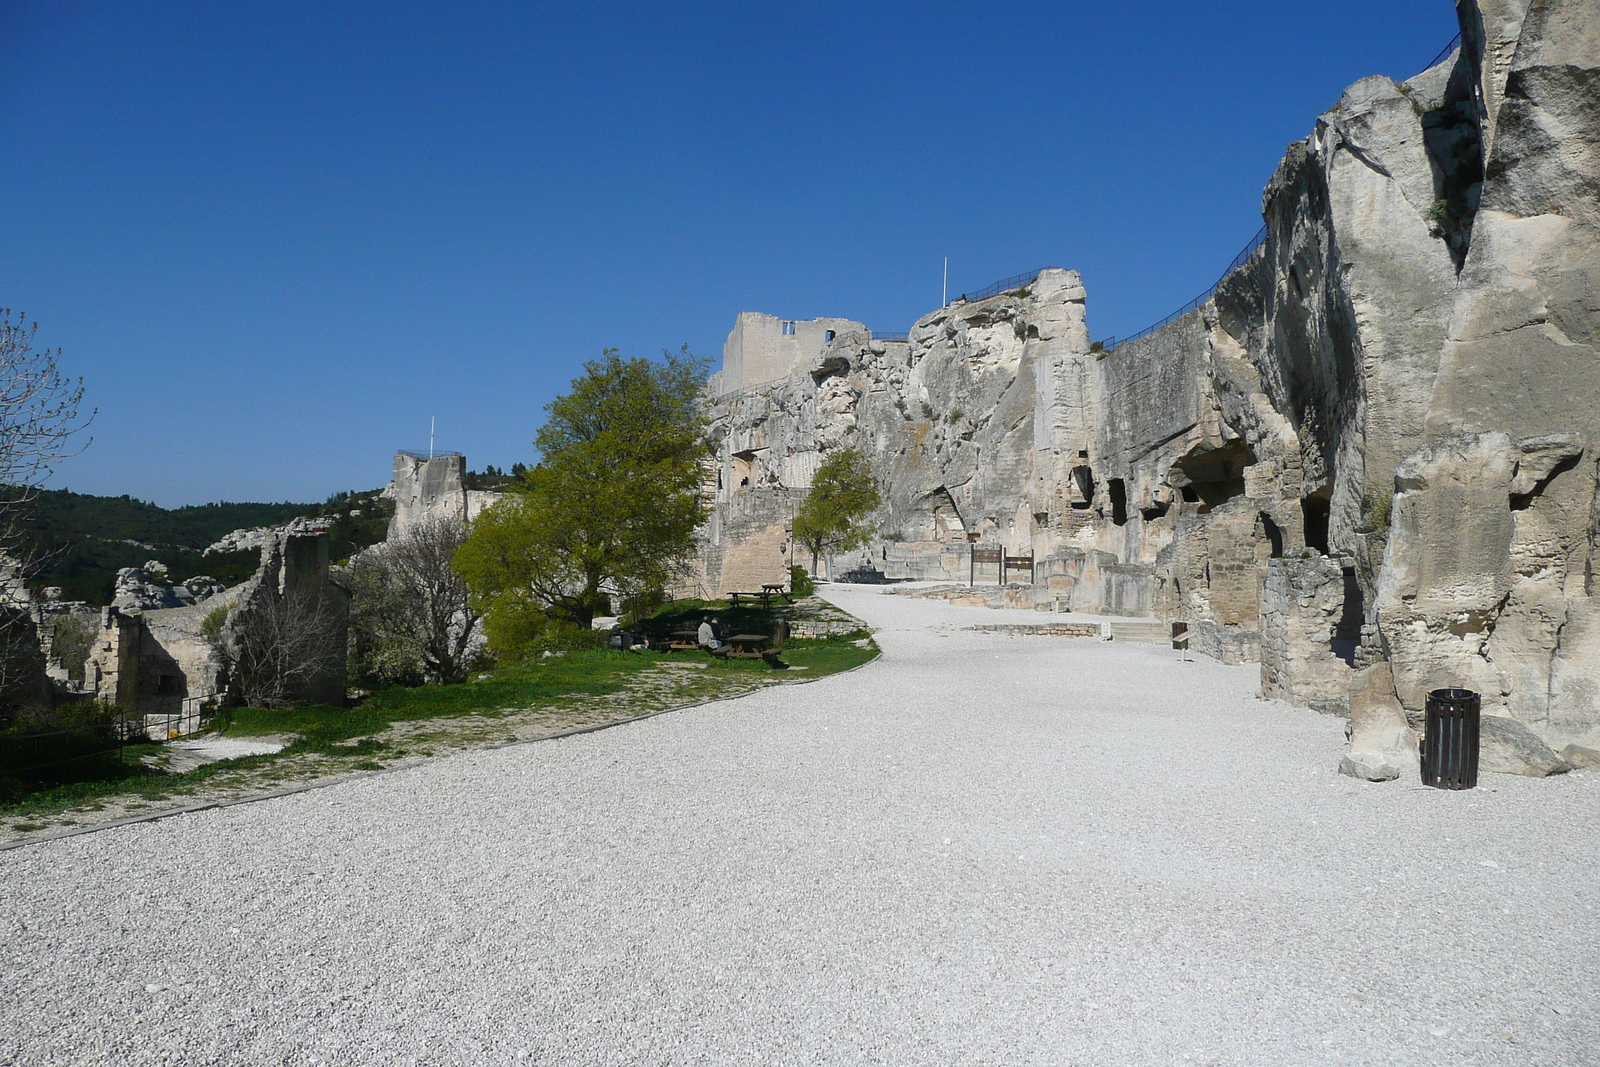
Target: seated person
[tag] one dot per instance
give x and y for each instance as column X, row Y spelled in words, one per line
column 710, row 635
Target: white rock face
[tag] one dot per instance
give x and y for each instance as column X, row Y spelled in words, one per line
column 258, row 537
column 1505, row 601
column 1398, row 382
column 142, row 589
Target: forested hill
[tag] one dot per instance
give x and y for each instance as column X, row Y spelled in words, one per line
column 86, row 539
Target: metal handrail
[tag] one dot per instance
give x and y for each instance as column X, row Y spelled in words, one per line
column 427, row 455
column 884, row 335
column 1112, row 343
column 1016, row 281
column 120, row 728
column 1455, row 42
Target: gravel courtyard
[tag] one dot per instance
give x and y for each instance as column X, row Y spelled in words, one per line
column 979, row 849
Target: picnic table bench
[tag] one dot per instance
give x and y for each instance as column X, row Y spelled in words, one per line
column 686, row 639
column 768, row 592
column 749, row 646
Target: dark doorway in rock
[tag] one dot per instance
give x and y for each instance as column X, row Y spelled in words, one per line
column 1274, row 535
column 1316, row 509
column 1347, row 631
column 1083, row 482
column 1119, row 501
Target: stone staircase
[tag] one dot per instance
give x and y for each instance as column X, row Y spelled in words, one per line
column 1148, row 631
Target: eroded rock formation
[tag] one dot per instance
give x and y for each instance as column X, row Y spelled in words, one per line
column 1372, row 445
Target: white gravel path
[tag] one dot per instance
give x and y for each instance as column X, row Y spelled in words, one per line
column 979, row 850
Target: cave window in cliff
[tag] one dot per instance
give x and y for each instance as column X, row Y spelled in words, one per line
column 1189, row 495
column 1156, row 509
column 1316, row 509
column 1274, row 535
column 1119, row 501
column 788, row 329
column 1083, row 482
column 828, row 336
column 1522, row 501
column 744, row 467
column 1033, row 333
column 1216, row 475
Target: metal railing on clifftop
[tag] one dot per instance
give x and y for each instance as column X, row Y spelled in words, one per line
column 1111, row 343
column 1256, row 242
column 1016, row 281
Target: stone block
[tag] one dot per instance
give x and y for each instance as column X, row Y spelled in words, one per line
column 1382, row 745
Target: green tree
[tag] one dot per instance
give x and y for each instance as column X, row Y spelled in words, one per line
column 610, row 510
column 836, row 514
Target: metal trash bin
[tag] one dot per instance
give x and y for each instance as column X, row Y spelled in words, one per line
column 1450, row 739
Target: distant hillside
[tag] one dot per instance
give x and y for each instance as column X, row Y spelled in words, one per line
column 87, row 539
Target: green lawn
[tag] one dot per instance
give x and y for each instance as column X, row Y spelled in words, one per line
column 347, row 736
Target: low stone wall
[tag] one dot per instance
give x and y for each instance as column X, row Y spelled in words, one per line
column 1302, row 602
column 1230, row 644
column 822, row 627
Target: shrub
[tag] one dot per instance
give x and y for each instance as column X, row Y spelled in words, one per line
column 800, row 583
column 1376, row 510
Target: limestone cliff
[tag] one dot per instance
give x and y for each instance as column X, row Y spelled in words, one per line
column 1392, row 395
column 1490, row 571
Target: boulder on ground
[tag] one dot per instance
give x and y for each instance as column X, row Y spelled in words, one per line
column 1508, row 747
column 1579, row 756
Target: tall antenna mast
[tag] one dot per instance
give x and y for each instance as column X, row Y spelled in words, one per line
column 944, row 297
column 430, row 437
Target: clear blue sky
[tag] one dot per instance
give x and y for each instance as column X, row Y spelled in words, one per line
column 275, row 237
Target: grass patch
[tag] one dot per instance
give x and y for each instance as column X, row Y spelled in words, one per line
column 342, row 739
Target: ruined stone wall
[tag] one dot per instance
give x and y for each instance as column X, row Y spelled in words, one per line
column 763, row 348
column 744, row 545
column 156, row 659
column 175, row 660
column 425, row 488
column 1302, row 604
column 112, row 671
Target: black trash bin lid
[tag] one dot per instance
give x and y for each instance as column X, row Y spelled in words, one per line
column 1453, row 696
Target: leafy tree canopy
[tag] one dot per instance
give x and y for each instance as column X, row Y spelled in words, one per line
column 611, row 508
column 837, row 512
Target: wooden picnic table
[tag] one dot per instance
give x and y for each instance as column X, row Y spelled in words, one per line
column 765, row 596
column 749, row 646
column 684, row 639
